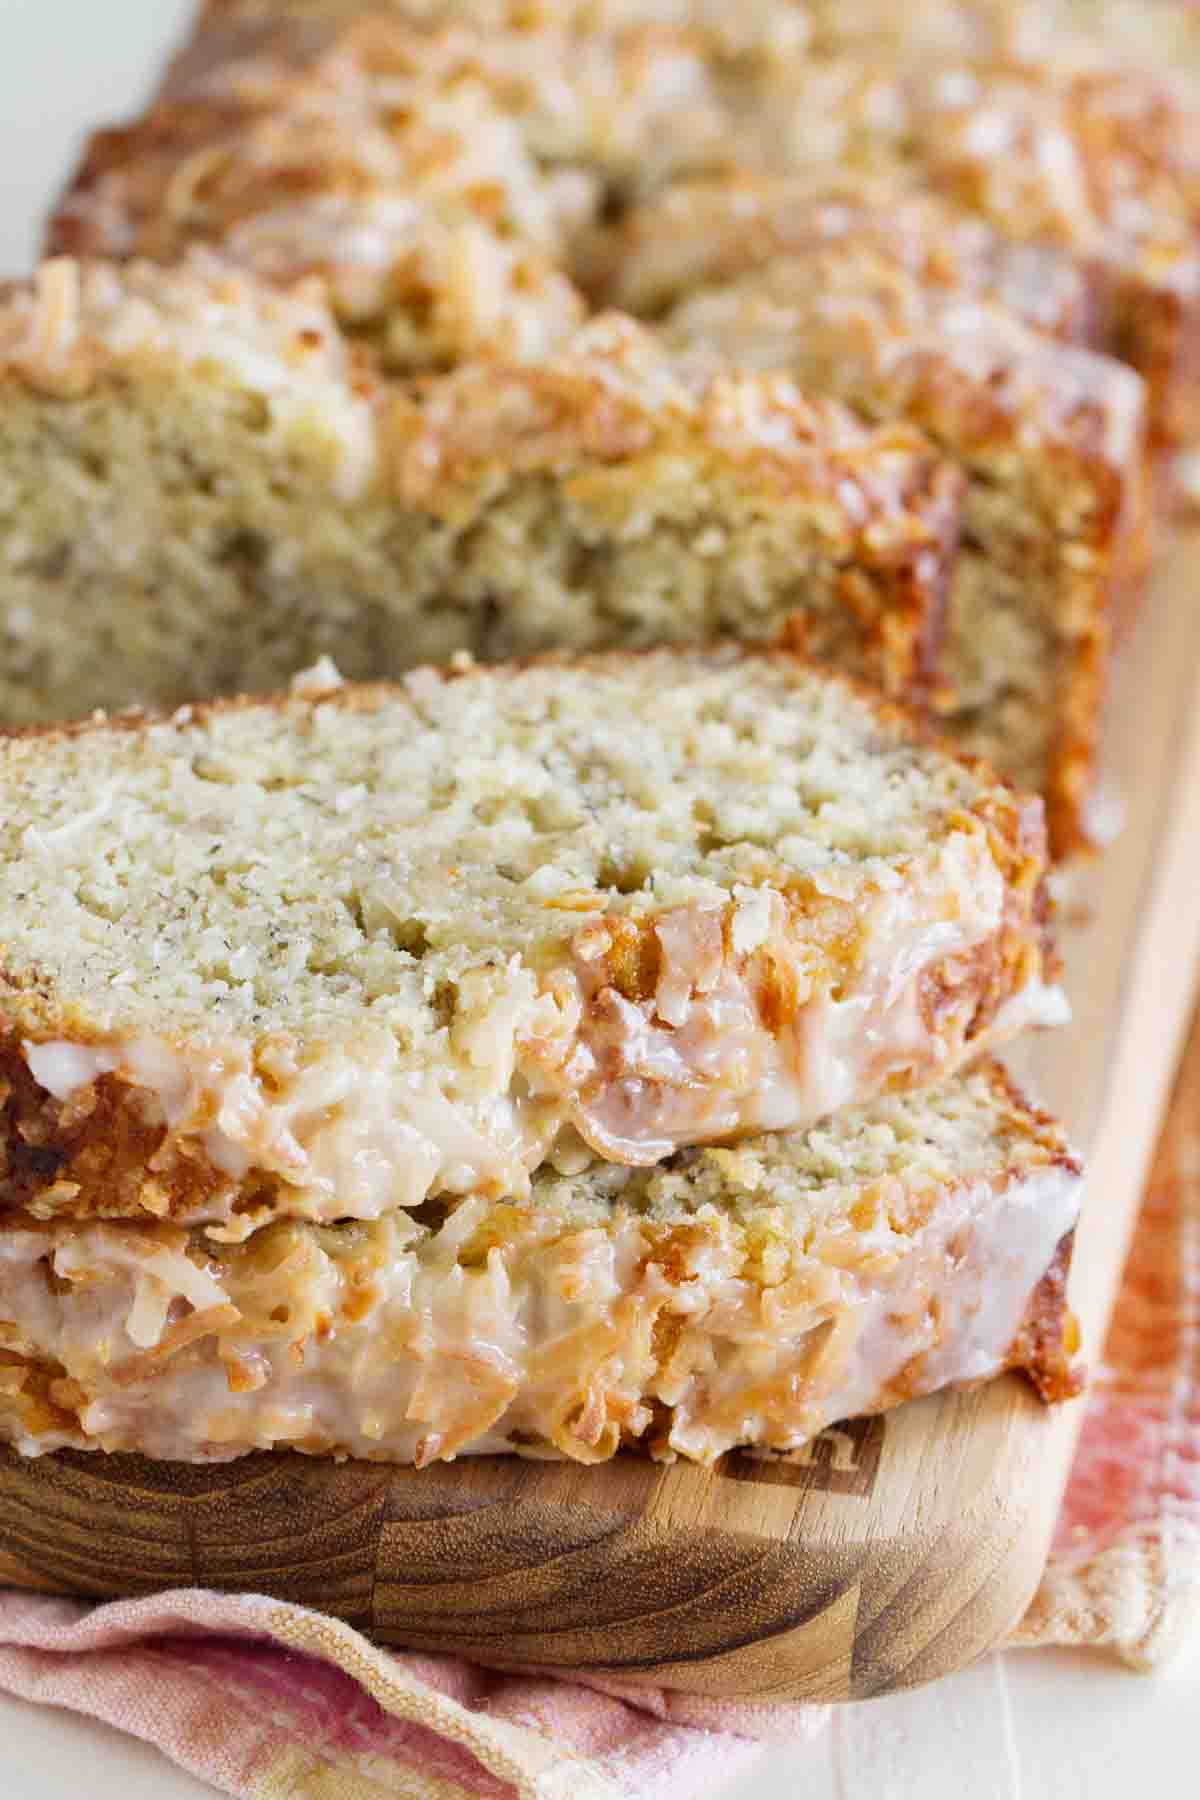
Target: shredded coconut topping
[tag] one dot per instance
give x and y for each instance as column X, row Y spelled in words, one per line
column 562, row 1326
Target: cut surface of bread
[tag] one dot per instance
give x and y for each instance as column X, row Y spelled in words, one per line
column 330, row 954
column 1050, row 438
column 747, row 1296
column 976, row 150
column 204, row 488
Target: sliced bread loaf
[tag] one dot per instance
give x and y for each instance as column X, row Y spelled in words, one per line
column 1050, row 438
column 202, row 488
column 1076, row 151
column 1050, row 138
column 436, row 232
column 747, row 1296
column 330, row 954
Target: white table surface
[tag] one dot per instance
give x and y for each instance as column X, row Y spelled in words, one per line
column 1031, row 1726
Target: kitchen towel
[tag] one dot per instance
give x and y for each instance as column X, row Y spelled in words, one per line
column 268, row 1701
column 1124, row 1573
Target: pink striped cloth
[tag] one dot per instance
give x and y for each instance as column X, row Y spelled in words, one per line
column 267, row 1701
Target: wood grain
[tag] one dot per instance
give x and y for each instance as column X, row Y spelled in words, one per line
column 897, row 1550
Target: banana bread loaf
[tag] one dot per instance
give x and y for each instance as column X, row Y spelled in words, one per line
column 203, row 488
column 1045, row 135
column 981, row 153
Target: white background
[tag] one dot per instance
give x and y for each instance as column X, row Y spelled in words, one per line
column 1032, row 1726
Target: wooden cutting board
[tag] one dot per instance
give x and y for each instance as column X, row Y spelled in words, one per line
column 894, row 1551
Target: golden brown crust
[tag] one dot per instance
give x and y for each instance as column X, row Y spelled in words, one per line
column 698, row 233
column 186, row 172
column 105, row 1153
column 1046, row 1348
column 287, row 112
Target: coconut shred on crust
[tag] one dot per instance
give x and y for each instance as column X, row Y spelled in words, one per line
column 739, row 1297
column 743, row 1028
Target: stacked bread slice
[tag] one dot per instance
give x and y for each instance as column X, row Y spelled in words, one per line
column 592, row 1044
column 397, row 329
column 563, row 1056
column 749, row 1295
column 577, row 1030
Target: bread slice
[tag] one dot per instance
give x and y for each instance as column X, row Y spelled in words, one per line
column 330, row 954
column 438, row 236
column 1128, row 201
column 747, row 1296
column 501, row 109
column 284, row 111
column 1046, row 136
column 702, row 233
column 1076, row 151
column 203, row 488
column 299, row 105
column 1051, row 440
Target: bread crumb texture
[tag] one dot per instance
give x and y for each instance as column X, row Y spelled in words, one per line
column 332, row 953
